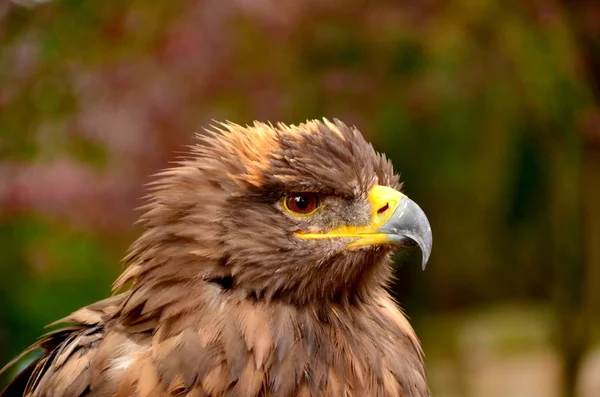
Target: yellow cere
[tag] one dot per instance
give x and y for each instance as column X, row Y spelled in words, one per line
column 384, row 201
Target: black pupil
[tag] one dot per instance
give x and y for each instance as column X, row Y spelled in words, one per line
column 301, row 202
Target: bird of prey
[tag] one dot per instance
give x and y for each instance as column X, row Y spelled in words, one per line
column 262, row 271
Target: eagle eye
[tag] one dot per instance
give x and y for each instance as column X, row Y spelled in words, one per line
column 301, row 203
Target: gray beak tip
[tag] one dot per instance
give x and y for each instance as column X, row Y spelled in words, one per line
column 409, row 221
column 425, row 244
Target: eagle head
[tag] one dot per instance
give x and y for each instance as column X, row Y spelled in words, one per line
column 301, row 213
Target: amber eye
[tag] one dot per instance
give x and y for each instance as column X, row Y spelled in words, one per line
column 302, row 203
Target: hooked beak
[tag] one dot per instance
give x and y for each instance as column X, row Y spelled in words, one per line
column 395, row 220
column 408, row 221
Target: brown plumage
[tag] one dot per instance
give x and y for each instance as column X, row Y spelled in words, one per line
column 232, row 292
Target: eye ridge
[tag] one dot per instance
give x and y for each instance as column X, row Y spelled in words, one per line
column 302, row 203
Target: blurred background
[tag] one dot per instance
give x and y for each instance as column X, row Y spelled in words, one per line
column 489, row 109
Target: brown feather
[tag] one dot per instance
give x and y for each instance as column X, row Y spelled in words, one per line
column 222, row 300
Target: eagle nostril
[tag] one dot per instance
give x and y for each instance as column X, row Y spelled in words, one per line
column 383, row 209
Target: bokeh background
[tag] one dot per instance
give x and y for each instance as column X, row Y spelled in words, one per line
column 489, row 109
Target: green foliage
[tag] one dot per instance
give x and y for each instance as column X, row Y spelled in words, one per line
column 48, row 271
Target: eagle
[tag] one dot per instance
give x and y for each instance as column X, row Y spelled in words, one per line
column 262, row 271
